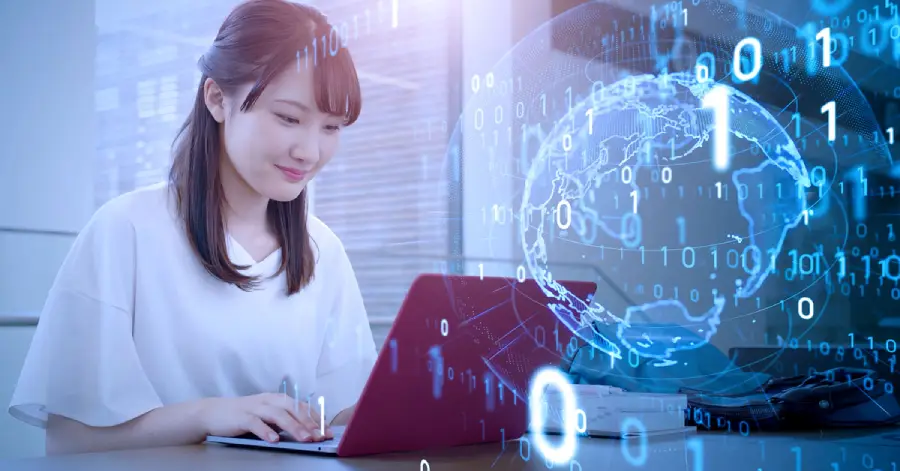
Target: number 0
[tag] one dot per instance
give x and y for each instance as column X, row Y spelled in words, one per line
column 702, row 73
column 559, row 209
column 755, row 48
column 542, row 379
column 800, row 308
column 666, row 174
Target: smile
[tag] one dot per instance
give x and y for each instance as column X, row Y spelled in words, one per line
column 292, row 174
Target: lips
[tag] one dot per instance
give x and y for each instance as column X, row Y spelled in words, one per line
column 291, row 173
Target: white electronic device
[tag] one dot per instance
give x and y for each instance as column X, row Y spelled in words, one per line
column 604, row 411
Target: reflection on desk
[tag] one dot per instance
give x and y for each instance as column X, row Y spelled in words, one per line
column 826, row 451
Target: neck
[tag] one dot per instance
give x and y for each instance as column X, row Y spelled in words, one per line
column 244, row 206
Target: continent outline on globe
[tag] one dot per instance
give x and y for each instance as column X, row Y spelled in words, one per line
column 626, row 101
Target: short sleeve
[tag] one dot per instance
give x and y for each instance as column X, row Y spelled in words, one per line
column 82, row 363
column 348, row 352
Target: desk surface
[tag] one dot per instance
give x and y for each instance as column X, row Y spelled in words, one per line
column 870, row 451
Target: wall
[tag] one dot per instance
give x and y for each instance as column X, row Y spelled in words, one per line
column 46, row 166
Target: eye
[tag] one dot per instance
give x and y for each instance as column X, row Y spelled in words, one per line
column 287, row 119
column 333, row 127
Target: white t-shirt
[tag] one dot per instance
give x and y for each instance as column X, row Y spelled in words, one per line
column 134, row 322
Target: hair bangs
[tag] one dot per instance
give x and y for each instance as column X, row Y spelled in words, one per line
column 337, row 86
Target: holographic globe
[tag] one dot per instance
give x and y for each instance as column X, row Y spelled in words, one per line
column 655, row 123
column 682, row 159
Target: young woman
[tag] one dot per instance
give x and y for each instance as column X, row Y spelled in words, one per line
column 181, row 307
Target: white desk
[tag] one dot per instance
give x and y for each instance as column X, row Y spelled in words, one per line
column 720, row 452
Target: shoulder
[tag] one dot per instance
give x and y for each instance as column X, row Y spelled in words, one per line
column 326, row 243
column 104, row 255
column 128, row 210
column 118, row 226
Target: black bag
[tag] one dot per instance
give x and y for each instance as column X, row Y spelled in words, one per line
column 837, row 398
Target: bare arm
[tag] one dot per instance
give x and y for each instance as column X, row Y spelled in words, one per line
column 343, row 416
column 176, row 424
column 188, row 423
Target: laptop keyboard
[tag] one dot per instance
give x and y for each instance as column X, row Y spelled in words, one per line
column 336, row 431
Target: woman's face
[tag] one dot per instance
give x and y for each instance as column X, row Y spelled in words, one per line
column 283, row 141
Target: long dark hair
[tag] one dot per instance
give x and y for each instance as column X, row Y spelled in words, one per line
column 258, row 40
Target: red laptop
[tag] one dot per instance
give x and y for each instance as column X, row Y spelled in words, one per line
column 454, row 369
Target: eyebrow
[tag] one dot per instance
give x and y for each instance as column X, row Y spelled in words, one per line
column 302, row 106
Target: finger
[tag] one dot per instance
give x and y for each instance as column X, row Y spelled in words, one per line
column 260, row 429
column 305, row 414
column 327, row 428
column 328, row 432
column 285, row 421
column 316, row 415
column 283, row 401
column 306, row 420
column 298, row 408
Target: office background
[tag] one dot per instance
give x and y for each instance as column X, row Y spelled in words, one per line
column 94, row 91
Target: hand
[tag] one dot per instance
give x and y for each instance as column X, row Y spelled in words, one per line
column 258, row 414
column 343, row 417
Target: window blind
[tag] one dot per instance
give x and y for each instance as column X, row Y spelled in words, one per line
column 382, row 191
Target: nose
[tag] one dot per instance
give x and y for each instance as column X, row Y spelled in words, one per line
column 306, row 150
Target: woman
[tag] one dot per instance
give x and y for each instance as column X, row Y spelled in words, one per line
column 182, row 306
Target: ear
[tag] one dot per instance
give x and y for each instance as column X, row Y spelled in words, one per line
column 214, row 99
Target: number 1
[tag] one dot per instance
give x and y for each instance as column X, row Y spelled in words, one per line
column 322, row 413
column 634, row 197
column 825, row 36
column 717, row 99
column 590, row 114
column 798, row 461
column 695, row 445
column 830, row 109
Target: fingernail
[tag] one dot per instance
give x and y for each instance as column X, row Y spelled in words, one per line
column 304, row 436
column 273, row 437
